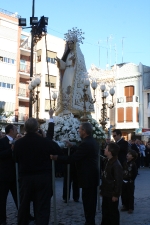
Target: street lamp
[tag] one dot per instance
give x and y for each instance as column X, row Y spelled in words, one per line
column 54, row 96
column 38, row 29
column 105, row 105
column 35, row 98
column 86, row 97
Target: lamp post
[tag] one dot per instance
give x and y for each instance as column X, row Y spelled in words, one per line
column 105, row 105
column 86, row 97
column 35, row 98
column 38, row 29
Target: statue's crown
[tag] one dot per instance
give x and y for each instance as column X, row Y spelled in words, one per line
column 74, row 35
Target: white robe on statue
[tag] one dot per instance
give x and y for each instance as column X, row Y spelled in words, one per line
column 70, row 99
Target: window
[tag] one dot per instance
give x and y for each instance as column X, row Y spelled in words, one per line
column 47, row 104
column 1, row 58
column 5, row 59
column 129, row 92
column 120, row 115
column 129, row 114
column 3, row 84
column 39, row 58
column 6, row 85
column 52, row 80
column 39, row 52
column 51, row 57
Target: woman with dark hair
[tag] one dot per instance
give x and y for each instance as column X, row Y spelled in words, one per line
column 72, row 68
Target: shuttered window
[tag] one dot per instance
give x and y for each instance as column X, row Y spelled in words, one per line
column 129, row 92
column 129, row 114
column 120, row 115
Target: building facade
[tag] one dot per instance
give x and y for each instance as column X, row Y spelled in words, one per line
column 9, row 61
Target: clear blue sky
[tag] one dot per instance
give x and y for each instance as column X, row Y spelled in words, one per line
column 99, row 20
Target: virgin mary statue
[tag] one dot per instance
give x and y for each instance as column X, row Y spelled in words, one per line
column 72, row 69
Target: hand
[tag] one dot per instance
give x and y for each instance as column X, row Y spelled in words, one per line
column 51, row 111
column 53, row 157
column 68, row 144
column 72, row 57
column 57, row 59
column 114, row 199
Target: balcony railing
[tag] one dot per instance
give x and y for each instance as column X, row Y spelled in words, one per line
column 23, row 92
column 25, row 68
column 10, row 13
column 26, row 46
column 129, row 99
column 22, row 115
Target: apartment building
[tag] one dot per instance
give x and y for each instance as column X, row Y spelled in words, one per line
column 9, row 62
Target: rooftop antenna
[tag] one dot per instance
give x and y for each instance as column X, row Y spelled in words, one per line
column 109, row 46
column 115, row 49
column 122, row 47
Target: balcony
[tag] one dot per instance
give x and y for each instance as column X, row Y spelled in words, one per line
column 24, row 68
column 23, row 92
column 23, row 115
column 129, row 99
column 125, row 99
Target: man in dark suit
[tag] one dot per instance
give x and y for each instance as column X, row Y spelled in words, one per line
column 35, row 174
column 7, row 171
column 86, row 159
column 117, row 135
column 135, row 146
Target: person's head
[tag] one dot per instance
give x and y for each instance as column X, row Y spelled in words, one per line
column 11, row 130
column 137, row 141
column 148, row 144
column 71, row 45
column 131, row 155
column 111, row 150
column 31, row 125
column 107, row 140
column 130, row 142
column 117, row 134
column 1, row 134
column 85, row 129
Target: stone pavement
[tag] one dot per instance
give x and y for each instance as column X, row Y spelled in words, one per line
column 72, row 213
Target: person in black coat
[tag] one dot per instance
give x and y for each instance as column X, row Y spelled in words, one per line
column 7, row 170
column 117, row 135
column 135, row 146
column 86, row 159
column 129, row 175
column 111, row 186
column 35, row 174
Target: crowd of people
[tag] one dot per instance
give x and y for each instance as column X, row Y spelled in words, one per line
column 34, row 152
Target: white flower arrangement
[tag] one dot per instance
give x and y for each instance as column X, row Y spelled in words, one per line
column 66, row 128
column 98, row 132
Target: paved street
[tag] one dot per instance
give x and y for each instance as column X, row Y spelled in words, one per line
column 72, row 214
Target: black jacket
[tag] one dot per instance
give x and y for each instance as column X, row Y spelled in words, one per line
column 86, row 159
column 112, row 178
column 123, row 150
column 32, row 152
column 7, row 164
column 129, row 171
